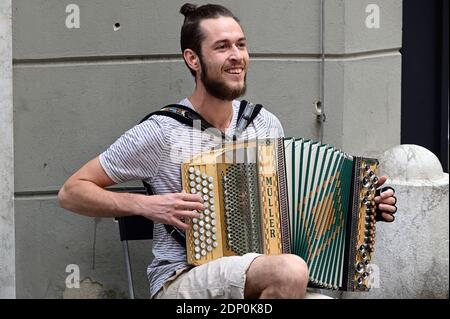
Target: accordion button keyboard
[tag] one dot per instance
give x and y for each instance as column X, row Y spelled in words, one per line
column 203, row 227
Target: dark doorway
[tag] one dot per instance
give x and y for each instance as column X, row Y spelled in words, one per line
column 425, row 76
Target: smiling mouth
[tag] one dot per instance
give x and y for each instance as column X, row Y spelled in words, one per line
column 235, row 71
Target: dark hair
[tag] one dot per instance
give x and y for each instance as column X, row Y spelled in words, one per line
column 191, row 34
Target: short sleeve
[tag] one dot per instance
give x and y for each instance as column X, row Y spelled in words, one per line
column 136, row 154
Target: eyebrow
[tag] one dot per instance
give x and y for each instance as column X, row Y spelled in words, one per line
column 225, row 41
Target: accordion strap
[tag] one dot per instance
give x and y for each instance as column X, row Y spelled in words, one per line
column 186, row 115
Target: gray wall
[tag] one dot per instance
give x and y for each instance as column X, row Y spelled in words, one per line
column 7, row 248
column 77, row 90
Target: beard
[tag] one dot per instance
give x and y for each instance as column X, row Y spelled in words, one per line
column 219, row 88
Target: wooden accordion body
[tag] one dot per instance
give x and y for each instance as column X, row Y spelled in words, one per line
column 288, row 195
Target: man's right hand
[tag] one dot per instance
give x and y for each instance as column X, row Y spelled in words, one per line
column 172, row 209
column 84, row 193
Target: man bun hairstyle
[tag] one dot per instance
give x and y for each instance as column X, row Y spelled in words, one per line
column 191, row 33
column 187, row 9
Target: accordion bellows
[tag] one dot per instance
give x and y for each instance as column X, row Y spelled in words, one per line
column 286, row 196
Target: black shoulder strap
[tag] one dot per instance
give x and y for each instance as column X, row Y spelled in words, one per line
column 183, row 114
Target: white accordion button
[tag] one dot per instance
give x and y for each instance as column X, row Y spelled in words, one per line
column 197, row 256
column 198, row 173
column 192, row 177
column 191, row 170
column 198, row 180
column 205, row 183
column 193, row 191
column 210, row 179
column 204, row 176
column 205, row 197
column 195, row 220
column 197, row 249
column 211, row 186
column 213, row 215
column 203, row 252
column 207, row 219
column 215, row 244
column 212, row 208
column 206, row 211
column 196, row 234
column 195, row 227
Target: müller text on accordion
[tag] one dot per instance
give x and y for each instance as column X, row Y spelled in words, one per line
column 292, row 213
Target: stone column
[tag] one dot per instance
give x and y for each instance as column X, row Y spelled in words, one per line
column 7, row 246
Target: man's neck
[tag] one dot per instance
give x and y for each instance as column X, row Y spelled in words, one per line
column 218, row 113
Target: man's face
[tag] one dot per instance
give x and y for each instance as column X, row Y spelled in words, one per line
column 224, row 59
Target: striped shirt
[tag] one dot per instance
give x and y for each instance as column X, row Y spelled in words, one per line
column 153, row 151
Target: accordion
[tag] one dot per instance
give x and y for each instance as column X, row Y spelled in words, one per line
column 275, row 196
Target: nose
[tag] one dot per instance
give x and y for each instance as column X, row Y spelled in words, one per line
column 236, row 53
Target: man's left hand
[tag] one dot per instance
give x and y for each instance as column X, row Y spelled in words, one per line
column 386, row 202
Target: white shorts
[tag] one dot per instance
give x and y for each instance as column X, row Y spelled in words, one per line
column 223, row 278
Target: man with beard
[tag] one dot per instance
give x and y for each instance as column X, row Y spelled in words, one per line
column 215, row 50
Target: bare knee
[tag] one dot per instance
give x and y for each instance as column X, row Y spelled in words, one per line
column 281, row 276
column 292, row 277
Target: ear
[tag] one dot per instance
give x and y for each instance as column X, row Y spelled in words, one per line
column 191, row 59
